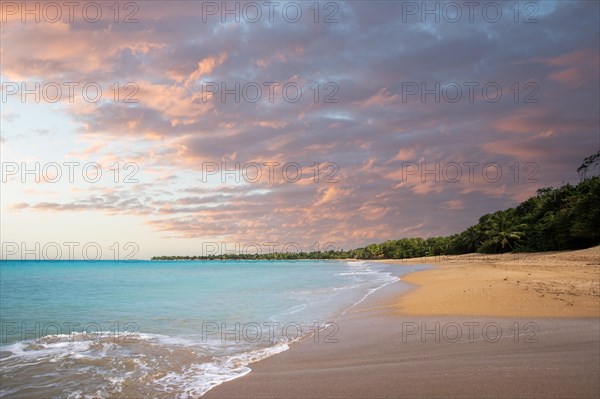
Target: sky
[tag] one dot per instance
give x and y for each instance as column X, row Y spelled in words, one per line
column 144, row 128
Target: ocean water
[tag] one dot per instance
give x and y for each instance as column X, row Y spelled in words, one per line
column 168, row 329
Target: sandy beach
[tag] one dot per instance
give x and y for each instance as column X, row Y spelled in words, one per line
column 474, row 326
column 553, row 284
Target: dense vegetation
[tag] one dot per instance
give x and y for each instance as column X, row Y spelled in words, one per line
column 561, row 218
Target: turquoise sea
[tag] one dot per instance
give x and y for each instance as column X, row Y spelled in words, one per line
column 163, row 329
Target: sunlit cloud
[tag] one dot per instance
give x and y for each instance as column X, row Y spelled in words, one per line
column 370, row 133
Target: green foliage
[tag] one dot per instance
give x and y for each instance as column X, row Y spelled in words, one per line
column 564, row 218
column 502, row 231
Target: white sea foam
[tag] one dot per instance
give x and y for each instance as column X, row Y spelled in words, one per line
column 202, row 377
column 355, row 263
column 227, row 362
column 357, row 273
column 385, row 279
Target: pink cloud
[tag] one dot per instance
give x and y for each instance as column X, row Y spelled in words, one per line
column 369, row 133
column 571, row 77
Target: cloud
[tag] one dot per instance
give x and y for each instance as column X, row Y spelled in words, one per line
column 353, row 113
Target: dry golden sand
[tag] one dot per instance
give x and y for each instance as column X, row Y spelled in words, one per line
column 550, row 284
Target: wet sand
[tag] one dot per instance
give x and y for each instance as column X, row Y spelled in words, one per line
column 382, row 352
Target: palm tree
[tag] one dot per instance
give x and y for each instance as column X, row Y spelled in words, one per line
column 473, row 236
column 589, row 162
column 502, row 230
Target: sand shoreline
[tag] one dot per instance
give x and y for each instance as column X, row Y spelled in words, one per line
column 552, row 284
column 398, row 344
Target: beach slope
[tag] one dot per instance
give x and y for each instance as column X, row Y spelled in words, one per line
column 474, row 327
